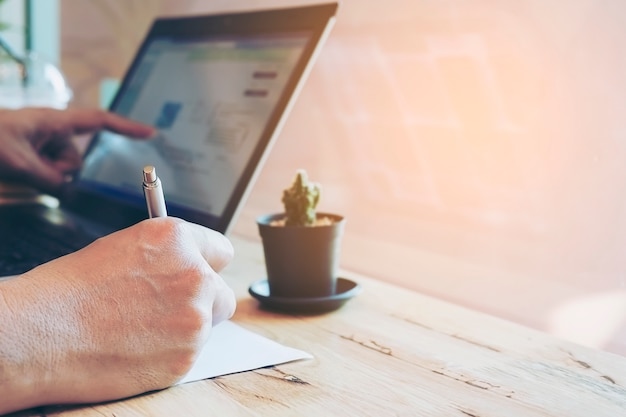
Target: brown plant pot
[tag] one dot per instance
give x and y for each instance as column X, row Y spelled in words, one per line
column 301, row 261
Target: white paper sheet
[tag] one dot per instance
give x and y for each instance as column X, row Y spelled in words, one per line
column 231, row 348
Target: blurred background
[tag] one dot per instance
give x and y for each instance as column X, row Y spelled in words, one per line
column 477, row 149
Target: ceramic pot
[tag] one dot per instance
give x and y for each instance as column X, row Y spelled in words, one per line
column 301, row 261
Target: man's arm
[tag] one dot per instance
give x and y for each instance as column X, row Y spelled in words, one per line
column 125, row 315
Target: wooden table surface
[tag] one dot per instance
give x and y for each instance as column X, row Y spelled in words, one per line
column 390, row 352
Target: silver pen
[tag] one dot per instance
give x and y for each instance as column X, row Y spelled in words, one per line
column 153, row 192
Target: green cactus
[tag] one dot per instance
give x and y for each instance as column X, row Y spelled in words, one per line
column 300, row 201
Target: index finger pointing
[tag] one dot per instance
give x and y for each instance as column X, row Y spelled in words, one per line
column 92, row 120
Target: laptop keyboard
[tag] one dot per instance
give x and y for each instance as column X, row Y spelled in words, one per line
column 25, row 245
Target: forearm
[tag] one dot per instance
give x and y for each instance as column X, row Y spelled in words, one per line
column 17, row 384
column 27, row 343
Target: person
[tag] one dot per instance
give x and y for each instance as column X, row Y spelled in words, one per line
column 125, row 315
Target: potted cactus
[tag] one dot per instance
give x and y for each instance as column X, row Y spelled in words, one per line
column 301, row 246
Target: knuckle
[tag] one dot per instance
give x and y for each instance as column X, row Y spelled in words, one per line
column 196, row 282
column 195, row 275
column 194, row 327
column 194, row 324
column 162, row 230
column 180, row 367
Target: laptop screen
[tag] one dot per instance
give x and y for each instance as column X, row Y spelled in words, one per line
column 216, row 100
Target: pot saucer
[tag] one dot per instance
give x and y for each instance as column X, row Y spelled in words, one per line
column 346, row 289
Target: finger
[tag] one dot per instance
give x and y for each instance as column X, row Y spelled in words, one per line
column 44, row 176
column 218, row 251
column 214, row 247
column 92, row 120
column 224, row 304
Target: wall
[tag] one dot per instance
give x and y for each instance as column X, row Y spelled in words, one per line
column 478, row 149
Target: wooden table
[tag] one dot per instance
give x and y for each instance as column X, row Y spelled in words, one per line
column 391, row 352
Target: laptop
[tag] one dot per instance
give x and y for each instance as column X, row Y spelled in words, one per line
column 217, row 88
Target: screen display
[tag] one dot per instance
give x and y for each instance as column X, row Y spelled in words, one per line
column 211, row 100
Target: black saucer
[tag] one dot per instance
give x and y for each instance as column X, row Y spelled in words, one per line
column 346, row 289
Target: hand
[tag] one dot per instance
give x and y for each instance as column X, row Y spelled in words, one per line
column 36, row 146
column 125, row 315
